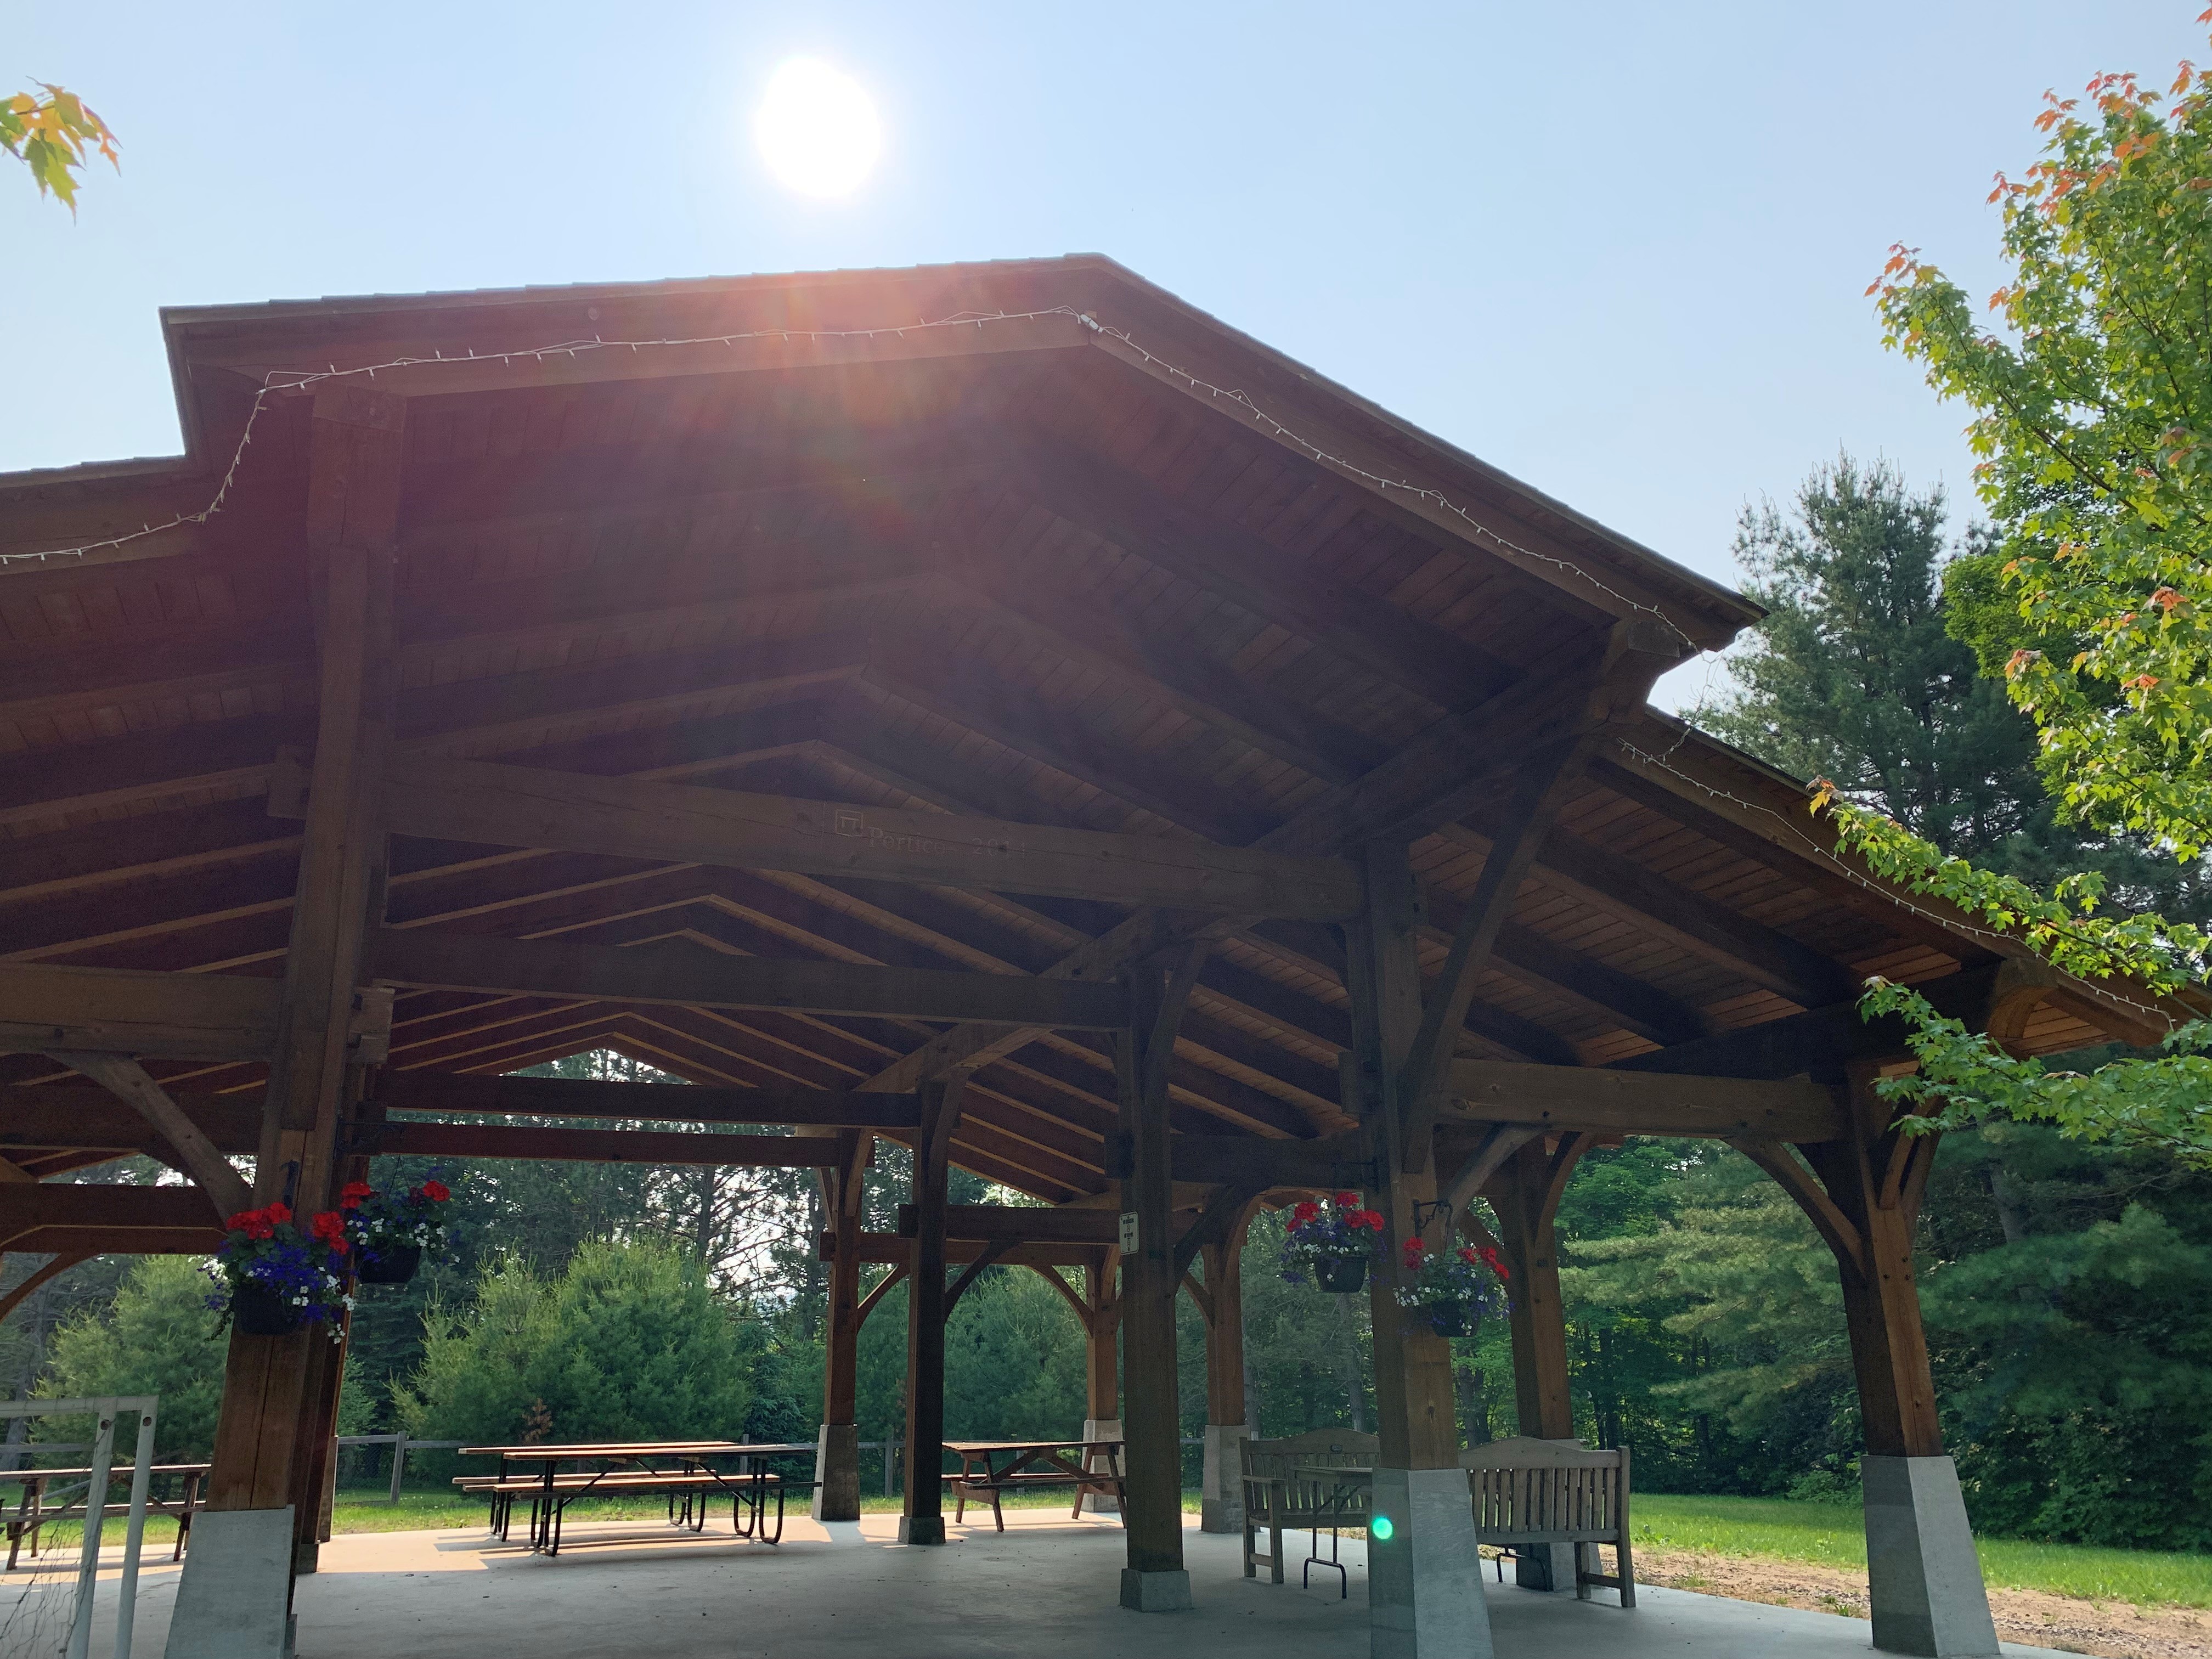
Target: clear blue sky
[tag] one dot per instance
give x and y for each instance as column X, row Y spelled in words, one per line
column 1617, row 250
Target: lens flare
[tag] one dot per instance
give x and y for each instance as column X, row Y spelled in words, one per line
column 817, row 128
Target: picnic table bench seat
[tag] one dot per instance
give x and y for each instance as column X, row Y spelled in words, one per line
column 1033, row 1464
column 1528, row 1493
column 32, row 1514
column 694, row 1488
column 1281, row 1495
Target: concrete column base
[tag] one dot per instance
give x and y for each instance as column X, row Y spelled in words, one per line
column 234, row 1597
column 1424, row 1581
column 1102, row 1428
column 922, row 1530
column 1155, row 1592
column 1221, row 1501
column 837, row 1472
column 1546, row 1567
column 1923, row 1579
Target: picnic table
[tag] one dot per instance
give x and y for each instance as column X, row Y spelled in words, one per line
column 991, row 1468
column 685, row 1470
column 31, row 1513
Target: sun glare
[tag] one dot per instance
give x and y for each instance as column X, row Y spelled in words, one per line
column 817, row 128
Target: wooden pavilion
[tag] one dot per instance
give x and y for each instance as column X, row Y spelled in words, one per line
column 997, row 708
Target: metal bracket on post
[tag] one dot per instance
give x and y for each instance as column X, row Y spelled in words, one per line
column 1425, row 1211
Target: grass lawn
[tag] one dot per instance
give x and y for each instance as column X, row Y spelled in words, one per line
column 1833, row 1534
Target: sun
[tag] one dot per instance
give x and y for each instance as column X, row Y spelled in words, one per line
column 817, row 128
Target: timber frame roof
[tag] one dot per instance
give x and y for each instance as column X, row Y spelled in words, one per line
column 1085, row 559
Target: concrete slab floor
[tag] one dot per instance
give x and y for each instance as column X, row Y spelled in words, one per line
column 848, row 1591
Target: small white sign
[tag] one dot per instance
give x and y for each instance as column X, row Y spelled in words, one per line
column 1128, row 1232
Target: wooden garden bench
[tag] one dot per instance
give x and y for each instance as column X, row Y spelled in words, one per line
column 1281, row 1497
column 1528, row 1493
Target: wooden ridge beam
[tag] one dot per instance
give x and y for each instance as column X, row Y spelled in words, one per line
column 477, row 802
column 119, row 1011
column 692, row 976
column 1579, row 1098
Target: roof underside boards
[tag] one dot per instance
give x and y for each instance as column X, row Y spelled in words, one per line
column 1035, row 579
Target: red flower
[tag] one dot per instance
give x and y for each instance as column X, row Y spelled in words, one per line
column 330, row 1227
column 1467, row 1254
column 277, row 1215
column 436, row 1191
column 1347, row 1200
column 254, row 1223
column 1497, row 1265
column 1303, row 1212
column 1372, row 1218
column 350, row 1194
column 1415, row 1246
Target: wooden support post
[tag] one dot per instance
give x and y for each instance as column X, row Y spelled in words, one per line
column 924, row 1520
column 314, row 1458
column 837, row 1449
column 1221, row 1499
column 230, row 1605
column 1863, row 1198
column 1424, row 1574
column 1924, row 1579
column 1154, row 1581
column 1102, row 1376
column 1532, row 1182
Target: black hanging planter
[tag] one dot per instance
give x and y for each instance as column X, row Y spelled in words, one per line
column 1448, row 1318
column 257, row 1310
column 395, row 1264
column 1340, row 1274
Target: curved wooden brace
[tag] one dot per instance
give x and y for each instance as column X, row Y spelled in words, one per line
column 1224, row 1216
column 1561, row 1169
column 1201, row 1297
column 1775, row 1157
column 1485, row 1161
column 1051, row 1276
column 867, row 1304
column 59, row 1264
column 988, row 1257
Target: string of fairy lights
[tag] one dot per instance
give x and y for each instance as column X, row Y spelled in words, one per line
column 284, row 382
column 278, row 382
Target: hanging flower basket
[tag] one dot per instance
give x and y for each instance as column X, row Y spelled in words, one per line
column 1341, row 1275
column 389, row 1232
column 1331, row 1240
column 257, row 1310
column 276, row 1278
column 1453, row 1289
column 394, row 1264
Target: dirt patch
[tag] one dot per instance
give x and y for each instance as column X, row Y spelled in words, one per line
column 2032, row 1618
